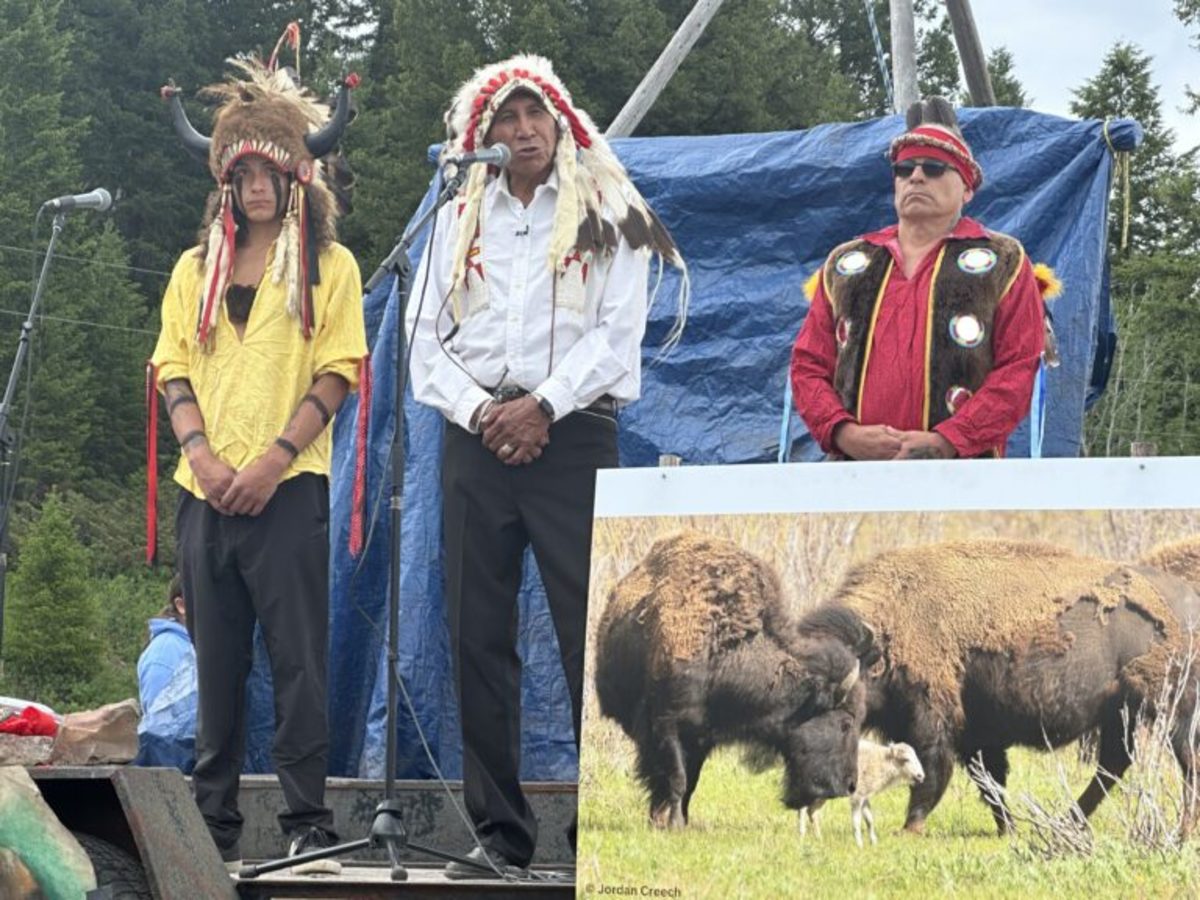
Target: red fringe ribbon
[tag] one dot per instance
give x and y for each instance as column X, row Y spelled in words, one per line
column 359, row 496
column 151, row 464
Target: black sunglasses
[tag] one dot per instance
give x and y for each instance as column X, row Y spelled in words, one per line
column 930, row 168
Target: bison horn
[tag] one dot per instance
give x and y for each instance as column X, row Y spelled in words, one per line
column 321, row 142
column 194, row 142
column 867, row 641
column 849, row 681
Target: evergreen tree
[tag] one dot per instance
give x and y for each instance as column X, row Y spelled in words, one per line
column 36, row 143
column 1008, row 89
column 423, row 50
column 126, row 602
column 52, row 646
column 844, row 29
column 1188, row 12
column 85, row 359
column 752, row 70
column 86, row 425
column 343, row 33
column 1178, row 194
column 937, row 54
column 1122, row 88
column 84, row 363
column 129, row 146
column 1153, row 390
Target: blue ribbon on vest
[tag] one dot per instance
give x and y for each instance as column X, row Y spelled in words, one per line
column 785, row 423
column 1037, row 412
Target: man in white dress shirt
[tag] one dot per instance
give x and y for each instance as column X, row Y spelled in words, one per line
column 528, row 340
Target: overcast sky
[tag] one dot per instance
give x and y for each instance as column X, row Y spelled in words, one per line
column 1058, row 44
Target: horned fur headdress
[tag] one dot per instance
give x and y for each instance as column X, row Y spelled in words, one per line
column 263, row 111
column 591, row 180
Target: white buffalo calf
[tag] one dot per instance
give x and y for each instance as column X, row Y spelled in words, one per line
column 879, row 768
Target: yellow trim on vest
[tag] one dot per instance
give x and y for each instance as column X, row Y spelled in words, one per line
column 862, row 378
column 937, row 268
column 1013, row 278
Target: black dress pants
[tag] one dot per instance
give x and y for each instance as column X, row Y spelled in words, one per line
column 273, row 568
column 491, row 513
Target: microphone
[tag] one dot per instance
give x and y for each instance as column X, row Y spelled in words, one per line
column 497, row 155
column 99, row 200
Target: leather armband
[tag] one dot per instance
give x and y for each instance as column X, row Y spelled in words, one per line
column 319, row 406
column 287, row 445
column 180, row 401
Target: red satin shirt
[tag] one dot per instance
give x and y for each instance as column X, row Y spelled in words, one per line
column 895, row 387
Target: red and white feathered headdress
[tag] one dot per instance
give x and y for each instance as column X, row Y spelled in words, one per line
column 591, row 180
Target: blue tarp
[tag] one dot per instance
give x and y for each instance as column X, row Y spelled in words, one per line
column 754, row 215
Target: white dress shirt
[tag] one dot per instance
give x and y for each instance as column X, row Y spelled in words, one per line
column 510, row 325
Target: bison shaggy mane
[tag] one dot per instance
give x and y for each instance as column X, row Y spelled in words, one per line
column 934, row 605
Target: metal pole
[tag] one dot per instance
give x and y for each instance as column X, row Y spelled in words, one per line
column 398, row 262
column 7, row 438
column 970, row 51
column 664, row 67
column 904, row 54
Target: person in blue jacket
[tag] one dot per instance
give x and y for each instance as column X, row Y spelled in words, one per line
column 168, row 647
column 167, row 689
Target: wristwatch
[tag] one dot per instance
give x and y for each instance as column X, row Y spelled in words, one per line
column 544, row 405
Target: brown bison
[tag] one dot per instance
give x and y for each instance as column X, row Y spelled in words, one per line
column 989, row 644
column 694, row 650
column 1181, row 559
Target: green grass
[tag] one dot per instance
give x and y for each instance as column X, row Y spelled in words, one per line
column 742, row 843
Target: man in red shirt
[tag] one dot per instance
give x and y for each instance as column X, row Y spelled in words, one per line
column 923, row 339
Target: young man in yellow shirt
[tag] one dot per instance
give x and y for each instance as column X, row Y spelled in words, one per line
column 262, row 338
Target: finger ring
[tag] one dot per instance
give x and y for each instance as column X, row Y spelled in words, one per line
column 506, row 449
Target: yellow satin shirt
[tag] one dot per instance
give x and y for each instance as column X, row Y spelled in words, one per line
column 248, row 388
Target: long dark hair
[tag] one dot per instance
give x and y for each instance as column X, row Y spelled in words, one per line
column 174, row 589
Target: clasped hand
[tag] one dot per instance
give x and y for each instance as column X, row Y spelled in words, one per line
column 237, row 493
column 516, row 431
column 881, row 442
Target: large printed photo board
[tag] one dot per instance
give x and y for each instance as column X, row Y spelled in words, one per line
column 682, row 559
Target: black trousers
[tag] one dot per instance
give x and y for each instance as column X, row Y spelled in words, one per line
column 273, row 568
column 491, row 513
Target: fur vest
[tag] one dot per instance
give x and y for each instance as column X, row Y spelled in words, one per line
column 970, row 278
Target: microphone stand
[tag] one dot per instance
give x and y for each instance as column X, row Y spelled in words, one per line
column 7, row 438
column 387, row 829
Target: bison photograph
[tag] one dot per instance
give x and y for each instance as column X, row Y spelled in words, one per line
column 966, row 649
column 695, row 650
column 1023, row 681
